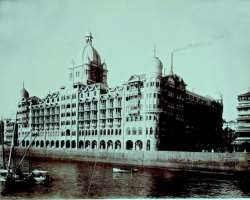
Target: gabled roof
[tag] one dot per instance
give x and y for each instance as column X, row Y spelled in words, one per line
column 245, row 94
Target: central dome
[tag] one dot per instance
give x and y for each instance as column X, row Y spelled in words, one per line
column 155, row 66
column 24, row 93
column 89, row 54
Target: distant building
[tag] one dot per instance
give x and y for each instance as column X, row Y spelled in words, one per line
column 1, row 132
column 228, row 135
column 8, row 131
column 149, row 112
column 242, row 142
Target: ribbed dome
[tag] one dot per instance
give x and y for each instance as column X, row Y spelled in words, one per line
column 155, row 66
column 89, row 54
column 24, row 93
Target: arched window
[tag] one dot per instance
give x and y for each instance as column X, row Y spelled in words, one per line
column 81, row 144
column 128, row 131
column 101, row 132
column 110, row 144
column 73, row 144
column 108, row 132
column 117, row 144
column 62, row 144
column 129, row 145
column 148, row 145
column 146, row 131
column 140, row 131
column 87, row 144
column 134, row 131
column 67, row 144
column 42, row 144
column 102, row 144
column 27, row 143
column 33, row 143
column 138, row 145
column 37, row 143
column 67, row 132
column 23, row 143
column 57, row 144
column 151, row 131
column 94, row 144
column 52, row 143
column 116, row 132
column 47, row 143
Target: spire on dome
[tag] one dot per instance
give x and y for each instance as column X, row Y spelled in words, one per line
column 24, row 93
column 89, row 38
column 154, row 50
column 172, row 60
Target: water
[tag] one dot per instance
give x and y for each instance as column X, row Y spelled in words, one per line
column 89, row 180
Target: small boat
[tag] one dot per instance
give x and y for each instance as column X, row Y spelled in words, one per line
column 3, row 175
column 40, row 176
column 118, row 170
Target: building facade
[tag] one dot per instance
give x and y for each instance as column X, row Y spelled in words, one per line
column 149, row 112
column 8, row 126
column 242, row 141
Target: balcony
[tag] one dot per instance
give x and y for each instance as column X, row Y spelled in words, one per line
column 118, row 105
column 243, row 117
column 81, row 118
column 242, row 106
column 109, row 116
column 93, row 125
column 102, row 116
column 117, row 115
column 87, row 108
column 94, row 107
column 93, row 117
column 102, row 125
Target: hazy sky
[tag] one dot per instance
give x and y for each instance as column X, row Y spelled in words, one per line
column 38, row 40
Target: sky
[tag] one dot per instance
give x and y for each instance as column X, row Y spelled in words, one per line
column 210, row 38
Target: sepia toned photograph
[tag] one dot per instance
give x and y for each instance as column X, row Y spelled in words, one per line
column 122, row 99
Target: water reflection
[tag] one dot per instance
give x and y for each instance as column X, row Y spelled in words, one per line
column 89, row 180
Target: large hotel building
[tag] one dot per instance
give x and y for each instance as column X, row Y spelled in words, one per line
column 148, row 112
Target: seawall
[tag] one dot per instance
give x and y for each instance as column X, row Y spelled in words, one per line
column 236, row 161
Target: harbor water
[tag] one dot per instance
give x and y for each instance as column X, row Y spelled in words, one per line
column 92, row 180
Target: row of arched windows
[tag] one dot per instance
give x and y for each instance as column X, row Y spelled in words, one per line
column 134, row 131
column 138, row 145
column 116, row 145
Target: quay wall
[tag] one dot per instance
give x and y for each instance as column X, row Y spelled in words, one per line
column 236, row 161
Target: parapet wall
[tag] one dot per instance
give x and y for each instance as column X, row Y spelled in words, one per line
column 236, row 161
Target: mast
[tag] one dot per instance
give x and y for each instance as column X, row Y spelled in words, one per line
column 11, row 150
column 172, row 63
column 2, row 140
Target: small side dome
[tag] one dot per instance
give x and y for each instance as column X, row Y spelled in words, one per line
column 104, row 65
column 24, row 93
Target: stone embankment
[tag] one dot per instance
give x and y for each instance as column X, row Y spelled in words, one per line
column 236, row 161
